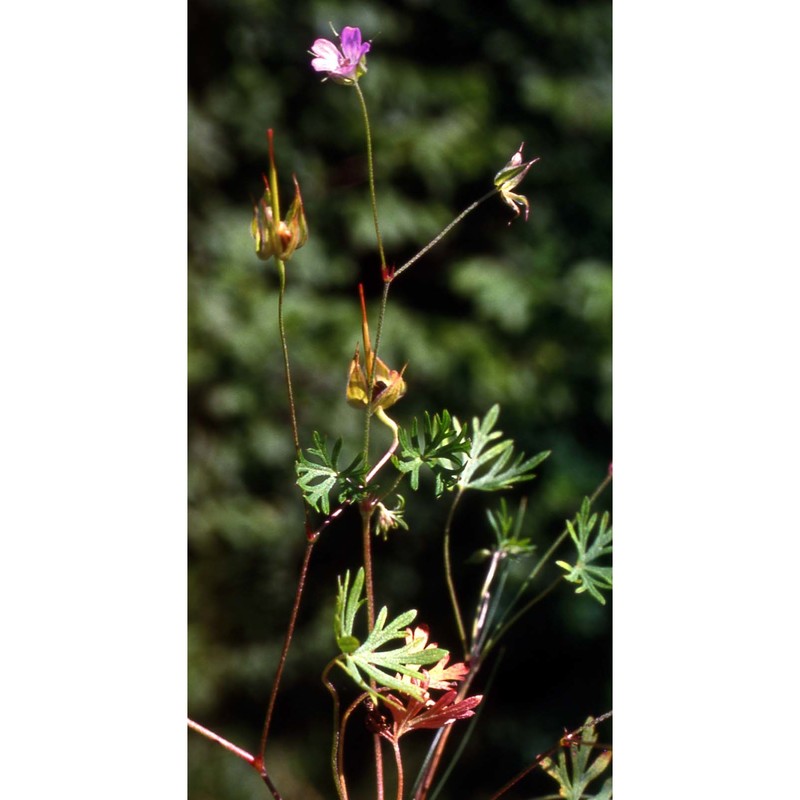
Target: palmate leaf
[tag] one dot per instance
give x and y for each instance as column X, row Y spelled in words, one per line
column 359, row 659
column 317, row 479
column 489, row 467
column 573, row 786
column 442, row 446
column 590, row 577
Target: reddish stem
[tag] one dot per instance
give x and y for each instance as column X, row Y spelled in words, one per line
column 399, row 761
column 366, row 515
column 286, row 644
column 215, row 737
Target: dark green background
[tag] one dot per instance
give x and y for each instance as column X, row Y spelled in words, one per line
column 518, row 315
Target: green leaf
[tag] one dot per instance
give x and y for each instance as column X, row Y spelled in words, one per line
column 441, row 446
column 575, row 778
column 363, row 661
column 590, row 577
column 487, row 467
column 348, row 601
column 507, row 528
column 318, row 478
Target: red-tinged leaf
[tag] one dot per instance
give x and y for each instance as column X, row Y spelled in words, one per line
column 444, row 711
column 441, row 676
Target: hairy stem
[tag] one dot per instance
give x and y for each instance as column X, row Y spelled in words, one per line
column 366, row 537
column 286, row 644
column 215, row 737
column 371, row 170
column 399, row 762
column 481, row 622
column 366, row 541
column 376, row 742
column 337, row 759
column 311, row 538
column 253, row 761
column 285, row 350
column 438, row 238
column 448, row 574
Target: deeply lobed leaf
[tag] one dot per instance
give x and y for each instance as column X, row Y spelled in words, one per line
column 589, row 576
column 318, row 478
column 441, row 446
column 360, row 659
column 489, row 470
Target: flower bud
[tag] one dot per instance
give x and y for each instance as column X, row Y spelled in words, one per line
column 509, row 177
column 388, row 385
column 275, row 237
column 387, row 519
column 283, row 239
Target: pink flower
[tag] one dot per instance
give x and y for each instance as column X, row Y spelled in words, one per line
column 346, row 65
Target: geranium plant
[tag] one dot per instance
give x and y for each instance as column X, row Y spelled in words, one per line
column 384, row 670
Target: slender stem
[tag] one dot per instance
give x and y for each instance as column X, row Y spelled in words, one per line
column 390, row 423
column 253, row 761
column 376, row 743
column 381, row 318
column 371, row 170
column 343, row 727
column 337, row 760
column 285, row 350
column 494, row 604
column 373, row 198
column 600, row 489
column 311, row 538
column 372, row 361
column 243, row 754
column 286, row 644
column 448, row 574
column 481, row 617
column 366, row 541
column 399, row 762
column 438, row 238
column 366, row 538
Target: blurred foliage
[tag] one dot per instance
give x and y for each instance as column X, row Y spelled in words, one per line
column 518, row 315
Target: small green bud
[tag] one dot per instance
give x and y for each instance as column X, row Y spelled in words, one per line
column 509, row 178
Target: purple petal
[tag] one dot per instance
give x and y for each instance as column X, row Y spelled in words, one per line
column 351, row 39
column 351, row 45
